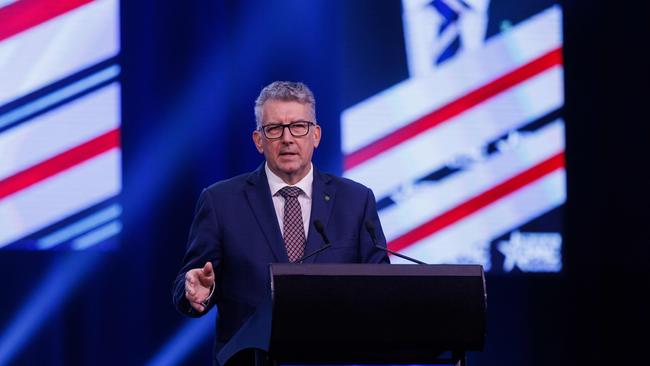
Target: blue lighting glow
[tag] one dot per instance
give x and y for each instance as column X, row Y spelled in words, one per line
column 57, row 285
column 185, row 340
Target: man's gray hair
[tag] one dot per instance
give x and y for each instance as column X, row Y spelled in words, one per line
column 284, row 91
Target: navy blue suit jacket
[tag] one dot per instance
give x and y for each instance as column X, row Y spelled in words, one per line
column 236, row 228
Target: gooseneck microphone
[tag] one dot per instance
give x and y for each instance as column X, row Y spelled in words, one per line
column 370, row 227
column 320, row 228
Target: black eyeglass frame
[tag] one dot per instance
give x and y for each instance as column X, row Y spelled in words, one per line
column 263, row 129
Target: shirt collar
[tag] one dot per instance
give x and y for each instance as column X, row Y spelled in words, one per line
column 276, row 183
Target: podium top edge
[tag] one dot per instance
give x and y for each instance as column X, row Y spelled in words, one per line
column 364, row 269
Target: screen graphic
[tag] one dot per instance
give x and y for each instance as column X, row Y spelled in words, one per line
column 466, row 156
column 60, row 156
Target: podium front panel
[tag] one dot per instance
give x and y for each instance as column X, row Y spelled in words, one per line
column 375, row 312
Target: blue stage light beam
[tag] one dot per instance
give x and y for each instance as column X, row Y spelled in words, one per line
column 185, row 123
column 197, row 115
column 58, row 283
column 192, row 334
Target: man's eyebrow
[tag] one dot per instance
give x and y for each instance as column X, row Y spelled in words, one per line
column 279, row 123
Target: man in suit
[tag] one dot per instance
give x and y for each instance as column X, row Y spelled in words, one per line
column 244, row 223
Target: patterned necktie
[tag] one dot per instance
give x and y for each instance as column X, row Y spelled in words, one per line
column 294, row 231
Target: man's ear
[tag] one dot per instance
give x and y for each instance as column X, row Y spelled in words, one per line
column 257, row 139
column 317, row 133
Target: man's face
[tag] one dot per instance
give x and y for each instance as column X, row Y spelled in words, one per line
column 289, row 157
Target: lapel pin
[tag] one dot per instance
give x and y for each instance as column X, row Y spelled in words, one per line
column 327, row 197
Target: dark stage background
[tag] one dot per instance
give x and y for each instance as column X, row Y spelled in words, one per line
column 190, row 73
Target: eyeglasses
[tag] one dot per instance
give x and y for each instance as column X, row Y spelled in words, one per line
column 276, row 130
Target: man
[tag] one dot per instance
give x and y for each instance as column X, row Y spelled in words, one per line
column 244, row 223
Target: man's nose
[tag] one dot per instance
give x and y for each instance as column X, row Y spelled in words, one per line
column 286, row 137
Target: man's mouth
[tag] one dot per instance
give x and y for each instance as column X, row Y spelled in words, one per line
column 287, row 153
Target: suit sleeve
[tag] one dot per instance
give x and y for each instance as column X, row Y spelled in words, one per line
column 370, row 254
column 204, row 244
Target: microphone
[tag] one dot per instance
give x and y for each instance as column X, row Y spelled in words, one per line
column 370, row 227
column 320, row 228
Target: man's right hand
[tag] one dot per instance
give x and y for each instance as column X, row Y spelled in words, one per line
column 198, row 285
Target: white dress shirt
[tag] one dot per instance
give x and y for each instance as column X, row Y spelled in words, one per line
column 305, row 184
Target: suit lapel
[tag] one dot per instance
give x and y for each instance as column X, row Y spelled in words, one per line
column 261, row 203
column 322, row 201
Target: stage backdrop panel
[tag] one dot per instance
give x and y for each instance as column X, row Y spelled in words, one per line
column 466, row 156
column 60, row 155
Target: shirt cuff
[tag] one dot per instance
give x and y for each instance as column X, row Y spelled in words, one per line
column 207, row 300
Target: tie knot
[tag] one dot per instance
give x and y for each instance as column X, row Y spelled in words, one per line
column 289, row 192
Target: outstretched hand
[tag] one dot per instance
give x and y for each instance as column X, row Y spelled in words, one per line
column 198, row 285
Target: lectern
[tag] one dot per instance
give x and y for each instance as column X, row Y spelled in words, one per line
column 368, row 313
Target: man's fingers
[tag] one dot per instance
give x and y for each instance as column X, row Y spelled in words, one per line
column 197, row 306
column 199, row 279
column 194, row 297
column 190, row 285
column 192, row 276
column 207, row 269
column 189, row 290
column 206, row 275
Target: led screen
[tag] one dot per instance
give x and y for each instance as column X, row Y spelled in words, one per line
column 60, row 156
column 466, row 156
